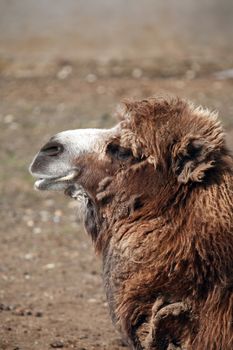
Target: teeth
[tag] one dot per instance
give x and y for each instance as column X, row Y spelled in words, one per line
column 67, row 177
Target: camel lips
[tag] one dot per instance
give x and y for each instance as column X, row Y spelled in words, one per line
column 44, row 183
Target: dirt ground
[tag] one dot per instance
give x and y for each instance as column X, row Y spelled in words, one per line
column 51, row 293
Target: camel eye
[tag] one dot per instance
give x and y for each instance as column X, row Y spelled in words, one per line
column 118, row 152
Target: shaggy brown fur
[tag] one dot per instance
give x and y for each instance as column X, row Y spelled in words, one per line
column 165, row 229
column 159, row 209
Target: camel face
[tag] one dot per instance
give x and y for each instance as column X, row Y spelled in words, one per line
column 60, row 162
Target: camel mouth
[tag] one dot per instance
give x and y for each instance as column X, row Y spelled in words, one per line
column 56, row 183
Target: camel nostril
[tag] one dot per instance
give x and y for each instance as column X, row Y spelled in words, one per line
column 52, row 149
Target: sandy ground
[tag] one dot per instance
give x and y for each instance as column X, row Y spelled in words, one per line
column 51, row 293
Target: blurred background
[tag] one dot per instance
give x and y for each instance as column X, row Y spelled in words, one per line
column 66, row 64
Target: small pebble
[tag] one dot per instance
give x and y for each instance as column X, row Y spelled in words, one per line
column 137, row 73
column 64, row 72
column 190, row 74
column 44, row 214
column 91, row 78
column 92, row 301
column 8, row 119
column 38, row 313
column 4, row 307
column 30, row 223
column 22, row 312
column 36, row 230
column 57, row 344
column 224, row 74
column 28, row 256
column 49, row 266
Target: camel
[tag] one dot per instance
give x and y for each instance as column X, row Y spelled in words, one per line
column 158, row 195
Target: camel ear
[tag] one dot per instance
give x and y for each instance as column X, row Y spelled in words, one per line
column 192, row 158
